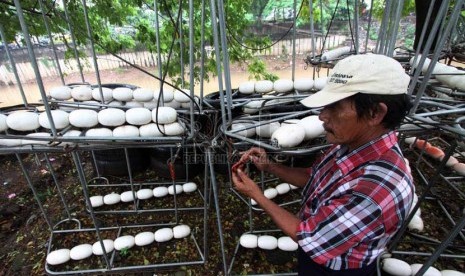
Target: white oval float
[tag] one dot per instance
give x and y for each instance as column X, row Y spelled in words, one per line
column 288, row 136
column 189, row 187
column 99, row 132
column 283, row 85
column 145, row 193
column 83, row 118
column 168, row 94
column 396, row 267
column 320, row 83
column 128, row 196
column 249, row 241
column 263, row 86
column 303, row 84
column 82, row 93
column 138, row 116
column 107, row 244
column 60, row 119
column 164, row 234
column 23, row 121
column 160, row 191
column 416, row 223
column 245, row 129
column 143, row 94
column 144, row 238
column 59, row 256
column 61, row 93
column 112, row 199
column 175, row 188
column 247, row 87
column 126, row 131
column 124, row 242
column 287, row 244
column 448, row 272
column 182, row 96
column 164, row 115
column 123, row 94
column 106, row 92
column 313, row 126
column 283, row 188
column 267, row 242
column 174, row 129
column 151, row 130
column 112, row 117
column 181, row 231
column 266, row 130
column 80, row 252
column 431, row 271
column 96, row 201
column 270, row 193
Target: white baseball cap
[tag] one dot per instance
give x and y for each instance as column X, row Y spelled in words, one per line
column 367, row 74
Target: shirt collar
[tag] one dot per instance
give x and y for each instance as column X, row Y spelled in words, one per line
column 347, row 161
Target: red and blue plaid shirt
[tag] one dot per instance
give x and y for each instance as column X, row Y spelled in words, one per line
column 354, row 203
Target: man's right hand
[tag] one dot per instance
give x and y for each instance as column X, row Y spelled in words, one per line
column 258, row 156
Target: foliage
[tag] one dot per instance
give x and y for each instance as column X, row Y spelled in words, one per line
column 137, row 17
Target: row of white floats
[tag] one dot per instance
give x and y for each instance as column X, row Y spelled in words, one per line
column 397, row 267
column 84, row 251
column 123, row 94
column 142, row 194
column 267, row 242
column 280, row 189
column 86, row 118
column 281, row 85
column 288, row 134
column 110, row 122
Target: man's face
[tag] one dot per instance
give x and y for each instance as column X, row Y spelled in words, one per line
column 343, row 126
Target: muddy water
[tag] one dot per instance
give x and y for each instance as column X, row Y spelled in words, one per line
column 10, row 95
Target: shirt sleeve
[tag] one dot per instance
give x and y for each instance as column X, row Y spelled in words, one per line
column 338, row 225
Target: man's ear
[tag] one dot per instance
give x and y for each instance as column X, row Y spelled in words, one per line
column 378, row 114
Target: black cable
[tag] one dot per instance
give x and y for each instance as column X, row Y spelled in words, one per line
column 330, row 24
column 350, row 24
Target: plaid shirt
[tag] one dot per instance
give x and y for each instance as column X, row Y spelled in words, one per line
column 354, row 203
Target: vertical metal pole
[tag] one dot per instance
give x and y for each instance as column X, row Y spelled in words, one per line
column 452, row 21
column 57, row 61
column 382, row 28
column 395, row 28
column 13, row 66
column 191, row 63
column 312, row 28
column 217, row 207
column 82, row 179
column 73, row 39
column 356, row 22
column 294, row 27
column 32, row 59
column 60, row 192
column 181, row 48
column 224, row 47
column 369, row 26
column 218, row 62
column 202, row 55
column 34, row 192
column 157, row 37
column 94, row 57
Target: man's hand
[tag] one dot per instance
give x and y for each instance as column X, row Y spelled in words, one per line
column 258, row 156
column 244, row 184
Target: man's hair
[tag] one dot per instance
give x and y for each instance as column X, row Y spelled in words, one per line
column 398, row 107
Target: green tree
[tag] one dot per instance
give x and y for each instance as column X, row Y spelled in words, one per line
column 106, row 15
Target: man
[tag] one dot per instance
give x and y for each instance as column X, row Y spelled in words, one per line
column 357, row 195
